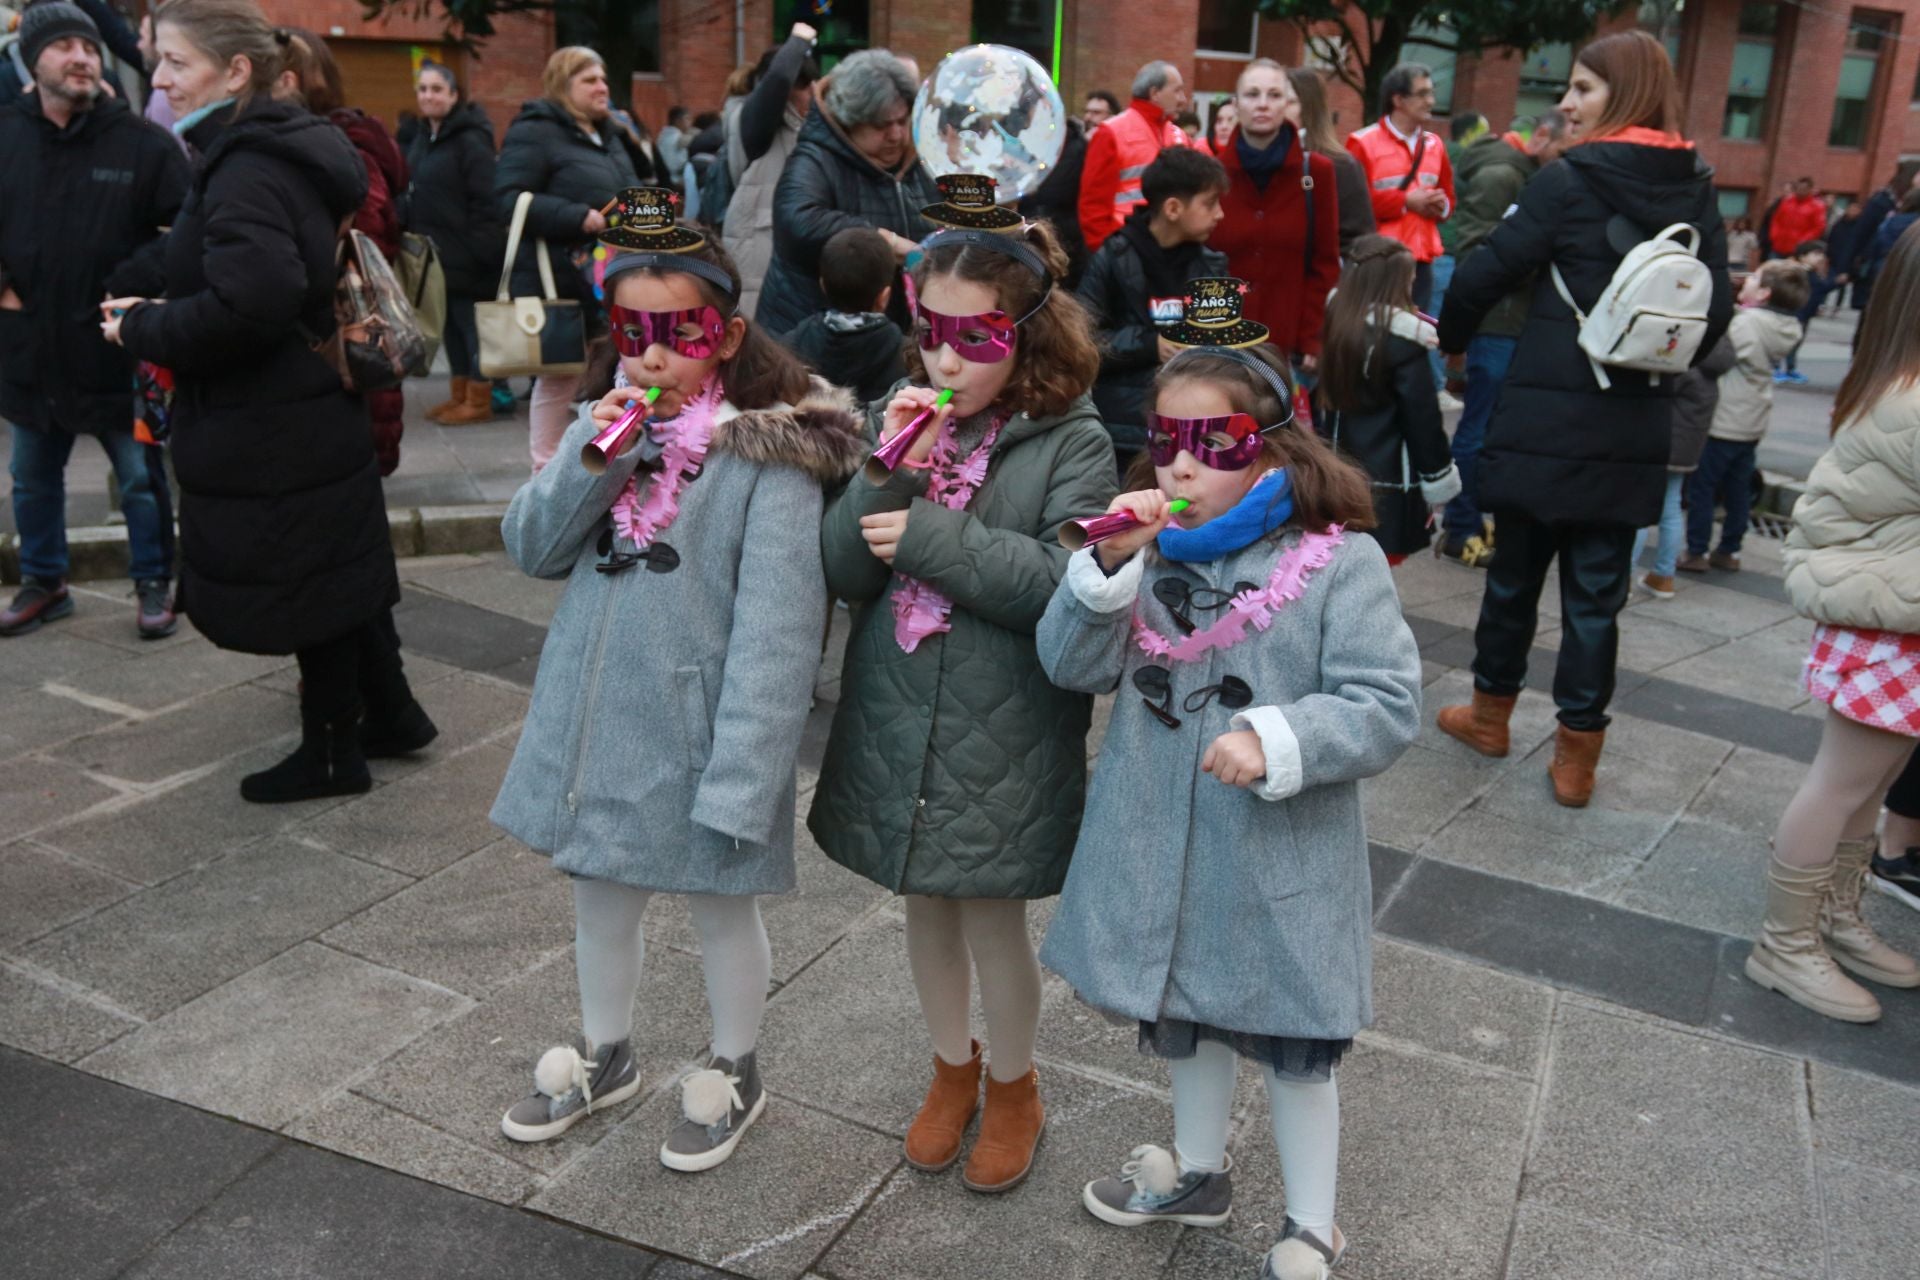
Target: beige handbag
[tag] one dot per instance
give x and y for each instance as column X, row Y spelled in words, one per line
column 519, row 336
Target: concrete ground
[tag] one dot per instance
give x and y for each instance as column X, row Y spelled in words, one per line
column 277, row 1041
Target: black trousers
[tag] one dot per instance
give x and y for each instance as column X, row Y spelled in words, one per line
column 360, row 669
column 1423, row 288
column 1903, row 797
column 1596, row 573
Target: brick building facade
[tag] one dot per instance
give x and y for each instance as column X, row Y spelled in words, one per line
column 1772, row 90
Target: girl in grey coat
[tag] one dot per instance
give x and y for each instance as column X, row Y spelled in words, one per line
column 658, row 755
column 1261, row 644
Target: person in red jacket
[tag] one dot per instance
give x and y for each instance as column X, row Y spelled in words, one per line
column 1121, row 149
column 1408, row 172
column 1799, row 218
column 1281, row 224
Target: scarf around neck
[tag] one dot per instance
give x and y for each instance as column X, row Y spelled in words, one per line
column 1262, row 163
column 1267, row 506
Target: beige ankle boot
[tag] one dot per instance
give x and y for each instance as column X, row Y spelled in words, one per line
column 1789, row 957
column 1850, row 939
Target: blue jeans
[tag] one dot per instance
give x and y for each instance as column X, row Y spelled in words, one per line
column 1725, row 472
column 1487, row 361
column 1442, row 277
column 39, row 467
column 1666, row 557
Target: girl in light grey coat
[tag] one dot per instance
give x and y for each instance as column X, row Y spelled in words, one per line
column 1219, row 894
column 659, row 751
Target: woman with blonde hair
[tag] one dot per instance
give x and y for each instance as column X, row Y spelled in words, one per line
column 565, row 148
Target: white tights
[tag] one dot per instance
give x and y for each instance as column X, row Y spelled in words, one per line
column 609, row 947
column 1839, row 799
column 1306, row 1129
column 951, row 939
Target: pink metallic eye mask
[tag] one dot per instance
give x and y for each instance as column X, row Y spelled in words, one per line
column 982, row 339
column 635, row 331
column 1227, row 443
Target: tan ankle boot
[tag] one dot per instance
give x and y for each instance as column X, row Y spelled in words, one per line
column 1789, row 957
column 475, row 409
column 1850, row 940
column 933, row 1140
column 1482, row 724
column 1010, row 1126
column 1576, row 754
column 456, row 396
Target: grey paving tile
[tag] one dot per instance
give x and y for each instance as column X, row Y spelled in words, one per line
column 1706, row 606
column 54, row 653
column 1686, row 753
column 1386, row 866
column 31, row 720
column 1553, row 1243
column 1427, row 578
column 1703, row 874
column 466, row 710
column 1417, row 1198
column 464, row 635
column 274, row 1042
column 1870, row 1227
column 312, row 1215
column 428, row 819
column 1465, row 1010
column 197, row 733
column 1666, row 1133
column 929, row 1227
column 1717, row 715
column 361, row 1128
column 1750, row 791
column 1414, row 798
column 46, row 890
column 496, row 585
column 464, row 1075
column 34, row 793
column 1634, row 801
column 161, row 679
column 1204, row 1255
column 487, row 918
column 1763, row 667
column 1644, row 963
column 96, row 1173
column 1865, row 1120
column 42, row 1018
column 1738, row 1008
column 1486, row 842
column 162, row 947
column 1648, row 642
column 104, row 614
column 1532, row 724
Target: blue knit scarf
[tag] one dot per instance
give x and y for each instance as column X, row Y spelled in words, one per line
column 1267, row 506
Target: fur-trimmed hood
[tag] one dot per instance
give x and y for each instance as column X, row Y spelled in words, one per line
column 822, row 435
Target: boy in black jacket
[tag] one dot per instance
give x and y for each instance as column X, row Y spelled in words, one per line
column 1138, row 279
column 853, row 344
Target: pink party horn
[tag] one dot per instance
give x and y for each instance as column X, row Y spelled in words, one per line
column 889, row 454
column 1075, row 534
column 618, row 437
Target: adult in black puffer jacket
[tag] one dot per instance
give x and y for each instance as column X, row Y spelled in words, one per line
column 566, row 149
column 283, row 528
column 452, row 203
column 833, row 181
column 1569, row 470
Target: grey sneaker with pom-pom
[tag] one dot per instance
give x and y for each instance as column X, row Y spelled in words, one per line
column 1151, row 1188
column 718, row 1103
column 1301, row 1255
column 568, row 1088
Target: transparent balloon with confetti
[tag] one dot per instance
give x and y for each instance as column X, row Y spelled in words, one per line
column 991, row 110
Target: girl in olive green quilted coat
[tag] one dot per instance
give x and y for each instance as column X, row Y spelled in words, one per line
column 955, row 772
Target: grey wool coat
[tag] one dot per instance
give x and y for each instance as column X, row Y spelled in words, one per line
column 958, row 770
column 1246, row 909
column 659, row 750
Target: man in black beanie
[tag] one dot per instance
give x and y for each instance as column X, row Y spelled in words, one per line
column 84, row 183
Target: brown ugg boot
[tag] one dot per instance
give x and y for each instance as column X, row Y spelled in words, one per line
column 933, row 1141
column 456, row 396
column 1009, row 1131
column 477, row 407
column 1850, row 940
column 1789, row 956
column 1482, row 724
column 1576, row 753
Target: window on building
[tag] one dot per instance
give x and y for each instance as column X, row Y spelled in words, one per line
column 1751, row 73
column 1228, row 27
column 577, row 25
column 1543, row 80
column 1663, row 19
column 1735, row 204
column 842, row 25
column 1026, row 25
column 1868, row 35
column 1421, row 47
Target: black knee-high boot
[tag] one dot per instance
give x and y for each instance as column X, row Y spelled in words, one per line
column 328, row 761
column 396, row 724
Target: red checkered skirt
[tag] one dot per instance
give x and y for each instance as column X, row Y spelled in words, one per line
column 1871, row 677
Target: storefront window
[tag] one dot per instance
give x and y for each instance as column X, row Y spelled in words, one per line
column 572, row 25
column 842, row 25
column 1868, row 35
column 1735, row 204
column 1663, row 19
column 1026, row 25
column 1226, row 26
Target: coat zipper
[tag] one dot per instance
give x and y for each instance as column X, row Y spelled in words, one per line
column 586, row 711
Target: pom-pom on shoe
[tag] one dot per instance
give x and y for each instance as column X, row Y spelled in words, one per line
column 568, row 1088
column 1151, row 1188
column 1301, row 1255
column 718, row 1102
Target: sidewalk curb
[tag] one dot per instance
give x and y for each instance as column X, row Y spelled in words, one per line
column 100, row 551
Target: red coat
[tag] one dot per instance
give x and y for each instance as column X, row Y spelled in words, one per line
column 1386, row 160
column 1117, row 154
column 1797, row 220
column 1264, row 235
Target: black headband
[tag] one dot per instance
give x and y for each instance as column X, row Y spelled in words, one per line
column 998, row 242
column 625, row 262
column 1259, row 366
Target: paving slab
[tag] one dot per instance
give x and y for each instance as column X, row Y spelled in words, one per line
column 1564, row 1246
column 1634, row 801
column 429, row 818
column 463, row 1076
column 94, row 1172
column 312, row 1214
column 33, row 720
column 1750, row 791
column 1871, row 1230
column 1705, row 606
column 496, row 584
column 273, row 1043
column 162, row 947
column 1865, row 1120
column 192, row 735
column 1430, row 1161
column 1206, row 1255
column 52, row 653
column 1705, row 874
column 1764, row 667
column 46, row 890
column 929, row 1227
column 1674, row 1134
column 468, row 709
column 34, row 793
column 462, row 634
column 1738, row 1008
column 1487, row 842
column 1532, row 723
column 174, row 675
column 1731, row 719
column 1466, row 1011
column 1417, row 796
column 104, row 613
column 38, row 1015
column 1649, row 642
column 361, row 1128
column 488, row 918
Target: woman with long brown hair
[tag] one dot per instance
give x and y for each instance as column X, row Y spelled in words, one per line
column 1571, row 469
column 1853, row 566
column 1310, row 114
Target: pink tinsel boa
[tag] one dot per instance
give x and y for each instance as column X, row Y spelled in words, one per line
column 1250, row 609
column 920, row 609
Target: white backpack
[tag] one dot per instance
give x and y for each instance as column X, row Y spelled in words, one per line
column 1653, row 313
